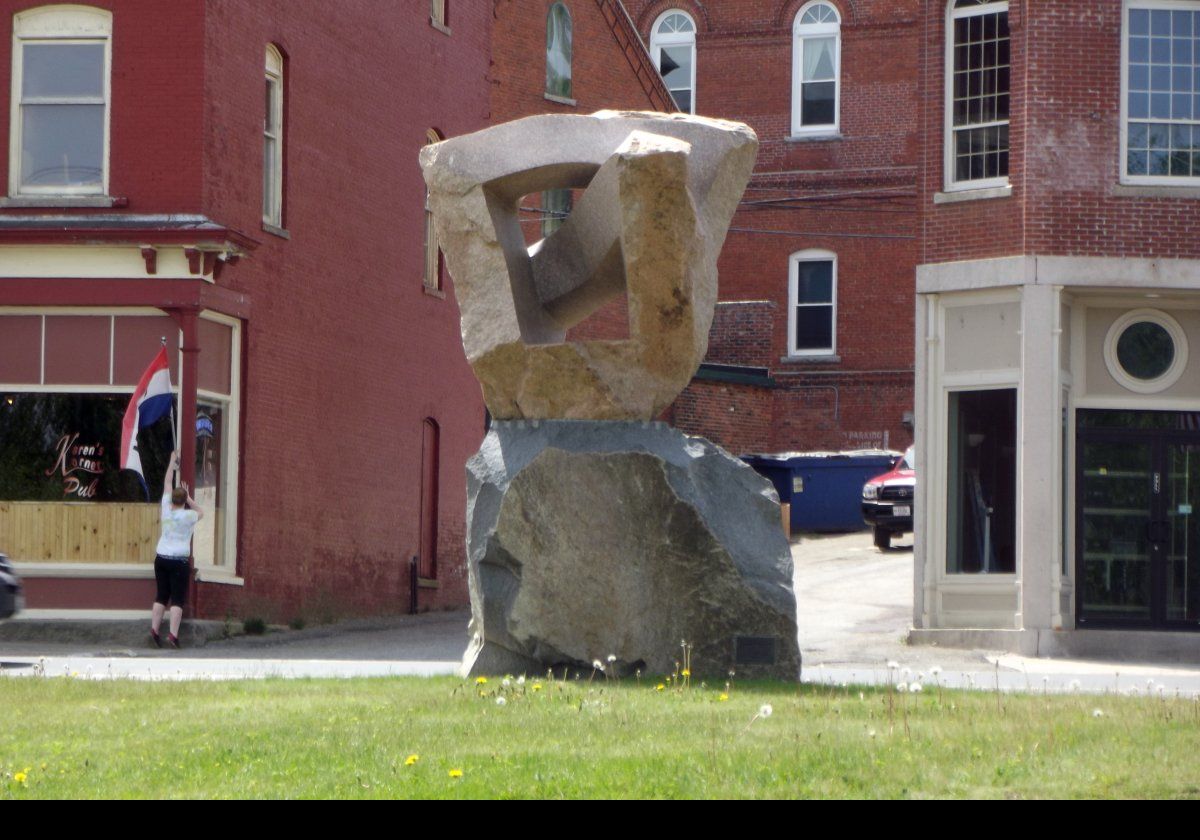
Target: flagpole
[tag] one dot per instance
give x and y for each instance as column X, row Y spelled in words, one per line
column 174, row 436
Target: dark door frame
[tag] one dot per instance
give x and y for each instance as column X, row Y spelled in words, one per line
column 1158, row 526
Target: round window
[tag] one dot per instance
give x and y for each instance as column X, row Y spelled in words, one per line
column 1146, row 351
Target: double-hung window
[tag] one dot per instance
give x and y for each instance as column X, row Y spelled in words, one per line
column 816, row 69
column 558, row 52
column 273, row 141
column 673, row 45
column 60, row 102
column 977, row 94
column 1160, row 106
column 812, row 303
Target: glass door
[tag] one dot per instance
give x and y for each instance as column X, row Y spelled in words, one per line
column 1181, row 572
column 1138, row 520
column 1115, row 498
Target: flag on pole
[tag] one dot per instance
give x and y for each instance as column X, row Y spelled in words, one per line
column 151, row 401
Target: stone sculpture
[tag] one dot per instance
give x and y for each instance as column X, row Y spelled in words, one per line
column 589, row 535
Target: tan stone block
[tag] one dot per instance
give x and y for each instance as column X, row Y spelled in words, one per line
column 660, row 191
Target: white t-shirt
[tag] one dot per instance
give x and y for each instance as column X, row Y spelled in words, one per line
column 177, row 525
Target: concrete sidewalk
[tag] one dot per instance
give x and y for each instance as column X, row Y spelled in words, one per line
column 855, row 608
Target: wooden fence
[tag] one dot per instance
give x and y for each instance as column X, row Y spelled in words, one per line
column 78, row 532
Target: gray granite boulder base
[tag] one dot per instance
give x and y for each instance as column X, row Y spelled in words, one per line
column 595, row 538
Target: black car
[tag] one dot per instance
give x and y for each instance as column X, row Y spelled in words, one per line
column 12, row 600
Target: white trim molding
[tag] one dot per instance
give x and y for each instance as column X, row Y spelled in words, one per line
column 816, row 20
column 62, row 26
column 811, row 255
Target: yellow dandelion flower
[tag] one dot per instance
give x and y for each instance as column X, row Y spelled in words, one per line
column 481, row 681
column 455, row 773
column 537, row 687
column 411, row 760
column 659, row 687
column 723, row 697
column 19, row 777
column 685, row 672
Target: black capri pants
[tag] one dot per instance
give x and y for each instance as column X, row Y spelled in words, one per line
column 171, row 576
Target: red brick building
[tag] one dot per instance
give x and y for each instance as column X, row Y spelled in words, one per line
column 277, row 243
column 811, row 346
column 1057, row 399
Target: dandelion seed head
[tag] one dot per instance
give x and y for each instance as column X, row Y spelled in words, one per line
column 765, row 710
column 935, row 670
column 893, row 665
column 915, row 688
column 597, row 665
column 521, row 680
column 612, row 657
column 500, row 701
column 1097, row 713
column 506, row 682
column 902, row 686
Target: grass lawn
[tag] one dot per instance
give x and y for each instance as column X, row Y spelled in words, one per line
column 353, row 738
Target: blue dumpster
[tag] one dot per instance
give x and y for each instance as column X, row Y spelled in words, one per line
column 823, row 488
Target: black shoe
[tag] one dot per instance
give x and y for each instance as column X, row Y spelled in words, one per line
column 172, row 641
column 157, row 639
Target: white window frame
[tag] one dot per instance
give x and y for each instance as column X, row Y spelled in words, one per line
column 949, row 162
column 811, row 255
column 231, row 405
column 62, row 25
column 1123, row 166
column 273, row 73
column 675, row 39
column 568, row 54
column 801, row 32
column 226, row 572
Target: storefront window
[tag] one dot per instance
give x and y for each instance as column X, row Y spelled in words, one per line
column 209, row 537
column 982, row 485
column 63, row 496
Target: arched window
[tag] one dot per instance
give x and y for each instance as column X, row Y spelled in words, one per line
column 273, row 140
column 673, row 47
column 816, row 69
column 438, row 15
column 558, row 51
column 812, row 303
column 430, row 479
column 977, row 94
column 60, row 93
column 434, row 261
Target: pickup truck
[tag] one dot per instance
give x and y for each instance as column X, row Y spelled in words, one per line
column 887, row 501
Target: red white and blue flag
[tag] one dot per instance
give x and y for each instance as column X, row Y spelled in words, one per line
column 152, row 400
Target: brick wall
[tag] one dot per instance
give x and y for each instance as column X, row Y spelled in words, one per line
column 1065, row 163
column 156, row 104
column 852, row 195
column 346, row 354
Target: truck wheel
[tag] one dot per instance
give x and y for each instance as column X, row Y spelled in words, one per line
column 883, row 539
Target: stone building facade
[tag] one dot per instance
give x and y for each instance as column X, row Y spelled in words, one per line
column 1057, row 397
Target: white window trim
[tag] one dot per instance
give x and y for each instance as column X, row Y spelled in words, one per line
column 231, row 464
column 675, row 39
column 811, row 255
column 273, row 72
column 948, row 163
column 61, row 24
column 815, row 30
column 570, row 56
column 1123, row 164
column 1170, row 376
column 226, row 572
